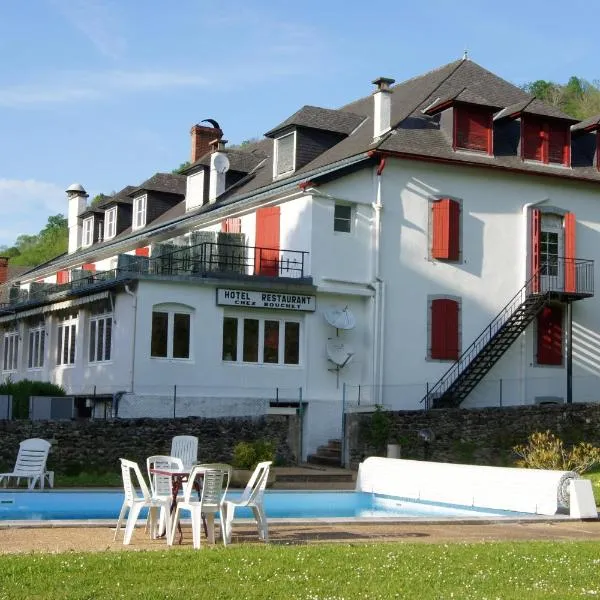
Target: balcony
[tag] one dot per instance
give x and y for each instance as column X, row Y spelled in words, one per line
column 564, row 278
column 207, row 259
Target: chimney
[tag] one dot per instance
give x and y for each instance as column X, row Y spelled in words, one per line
column 201, row 139
column 77, row 197
column 219, row 165
column 382, row 97
column 3, row 269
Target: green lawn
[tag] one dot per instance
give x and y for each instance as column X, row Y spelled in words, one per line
column 595, row 478
column 530, row 570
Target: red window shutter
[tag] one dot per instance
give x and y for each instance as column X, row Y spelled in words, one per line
column 533, row 139
column 89, row 267
column 536, row 234
column 266, row 257
column 233, row 225
column 446, row 229
column 145, row 251
column 62, row 277
column 473, row 129
column 558, row 144
column 549, row 336
column 444, row 329
column 570, row 224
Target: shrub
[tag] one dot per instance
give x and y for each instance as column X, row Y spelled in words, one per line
column 546, row 451
column 246, row 455
column 380, row 429
column 22, row 390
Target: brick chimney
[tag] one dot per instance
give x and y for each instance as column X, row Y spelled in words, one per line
column 3, row 269
column 202, row 136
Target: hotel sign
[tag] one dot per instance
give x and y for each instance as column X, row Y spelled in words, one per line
column 274, row 300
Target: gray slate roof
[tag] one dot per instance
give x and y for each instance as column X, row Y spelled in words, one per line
column 336, row 121
column 243, row 159
column 167, row 183
column 121, row 197
column 464, row 95
column 533, row 106
column 589, row 123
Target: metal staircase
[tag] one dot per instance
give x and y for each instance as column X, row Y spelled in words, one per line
column 477, row 360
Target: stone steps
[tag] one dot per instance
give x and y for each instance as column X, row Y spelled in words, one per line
column 329, row 455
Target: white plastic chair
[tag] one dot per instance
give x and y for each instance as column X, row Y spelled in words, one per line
column 185, row 447
column 31, row 464
column 209, row 504
column 252, row 497
column 134, row 502
column 161, row 486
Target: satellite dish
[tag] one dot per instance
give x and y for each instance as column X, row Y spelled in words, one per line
column 339, row 353
column 220, row 162
column 340, row 318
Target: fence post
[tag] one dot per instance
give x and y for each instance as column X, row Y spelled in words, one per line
column 427, row 395
column 500, row 392
column 174, row 400
column 343, row 449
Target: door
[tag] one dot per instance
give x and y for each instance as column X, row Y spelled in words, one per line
column 266, row 253
column 552, row 251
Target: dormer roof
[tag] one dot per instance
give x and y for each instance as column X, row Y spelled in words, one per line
column 535, row 107
column 464, row 96
column 589, row 124
column 242, row 160
column 314, row 117
column 121, row 197
column 166, row 183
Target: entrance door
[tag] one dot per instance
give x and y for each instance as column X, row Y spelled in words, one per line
column 552, row 250
column 266, row 254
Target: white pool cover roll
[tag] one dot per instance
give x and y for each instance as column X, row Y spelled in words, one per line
column 534, row 491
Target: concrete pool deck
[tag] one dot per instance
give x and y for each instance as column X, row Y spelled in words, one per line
column 58, row 539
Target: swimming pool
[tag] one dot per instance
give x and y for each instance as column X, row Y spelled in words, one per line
column 94, row 505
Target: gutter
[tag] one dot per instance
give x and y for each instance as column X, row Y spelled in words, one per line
column 186, row 222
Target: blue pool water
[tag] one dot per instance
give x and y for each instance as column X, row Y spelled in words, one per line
column 64, row 505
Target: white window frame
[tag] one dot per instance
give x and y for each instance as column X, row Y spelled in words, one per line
column 68, row 342
column 276, row 174
column 140, row 205
column 110, row 223
column 10, row 354
column 352, row 218
column 36, row 347
column 88, row 232
column 171, row 310
column 94, row 356
column 261, row 339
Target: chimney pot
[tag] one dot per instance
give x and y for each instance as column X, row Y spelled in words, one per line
column 383, row 83
column 382, row 108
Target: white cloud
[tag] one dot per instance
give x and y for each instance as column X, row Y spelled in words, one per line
column 74, row 86
column 25, row 206
column 97, row 20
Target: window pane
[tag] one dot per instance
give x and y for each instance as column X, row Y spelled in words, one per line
column 158, row 345
column 292, row 344
column 181, row 336
column 16, row 352
column 93, row 341
column 342, row 218
column 40, row 362
column 250, row 340
column 30, row 360
column 230, row 328
column 5, row 364
column 72, row 345
column 285, row 154
column 108, row 341
column 59, row 344
column 99, row 351
column 271, row 344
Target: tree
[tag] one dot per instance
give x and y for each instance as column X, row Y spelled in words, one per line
column 32, row 250
column 182, row 167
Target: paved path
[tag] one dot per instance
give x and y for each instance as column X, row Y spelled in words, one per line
column 100, row 539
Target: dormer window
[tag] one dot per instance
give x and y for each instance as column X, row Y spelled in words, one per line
column 545, row 141
column 110, row 223
column 88, row 232
column 285, row 155
column 139, row 212
column 472, row 129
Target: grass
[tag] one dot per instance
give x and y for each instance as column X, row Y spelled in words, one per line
column 594, row 476
column 88, row 480
column 531, row 570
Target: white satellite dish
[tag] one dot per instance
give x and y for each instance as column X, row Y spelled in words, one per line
column 220, row 162
column 339, row 353
column 340, row 318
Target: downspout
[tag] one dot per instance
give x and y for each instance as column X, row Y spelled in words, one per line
column 134, row 296
column 379, row 285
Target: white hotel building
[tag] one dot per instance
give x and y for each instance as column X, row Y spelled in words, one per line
column 447, row 225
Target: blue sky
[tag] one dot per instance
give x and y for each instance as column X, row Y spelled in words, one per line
column 104, row 92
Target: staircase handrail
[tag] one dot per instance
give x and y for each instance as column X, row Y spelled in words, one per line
column 485, row 336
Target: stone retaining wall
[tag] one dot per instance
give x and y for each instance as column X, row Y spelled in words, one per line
column 477, row 436
column 97, row 445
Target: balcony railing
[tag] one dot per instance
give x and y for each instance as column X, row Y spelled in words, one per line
column 202, row 260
